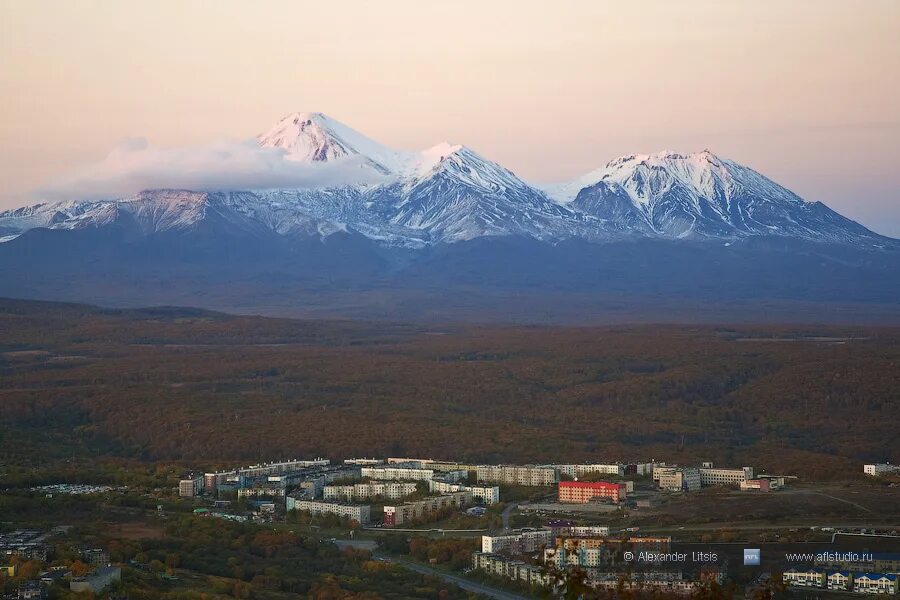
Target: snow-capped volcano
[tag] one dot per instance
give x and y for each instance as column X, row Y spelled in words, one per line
column 316, row 137
column 449, row 193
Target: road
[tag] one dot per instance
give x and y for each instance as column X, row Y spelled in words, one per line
column 469, row 586
column 506, row 513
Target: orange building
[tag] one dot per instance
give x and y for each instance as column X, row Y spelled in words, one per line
column 581, row 492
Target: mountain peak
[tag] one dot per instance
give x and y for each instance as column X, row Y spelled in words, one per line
column 316, row 137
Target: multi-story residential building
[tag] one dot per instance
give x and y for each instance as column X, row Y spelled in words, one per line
column 363, row 462
column 711, row 475
column 390, row 490
column 581, row 470
column 397, row 473
column 361, row 513
column 875, row 583
column 211, row 481
column 190, row 486
column 677, row 587
column 878, row 469
column 595, row 552
column 282, row 467
column 569, row 529
column 424, row 509
column 677, row 479
column 522, row 542
column 480, row 493
column 804, row 576
column 508, row 568
column 839, row 580
column 262, row 491
column 582, row 492
column 525, row 475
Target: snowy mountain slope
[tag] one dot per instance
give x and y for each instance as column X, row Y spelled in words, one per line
column 451, row 194
column 702, row 196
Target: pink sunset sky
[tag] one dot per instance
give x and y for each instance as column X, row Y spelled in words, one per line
column 806, row 92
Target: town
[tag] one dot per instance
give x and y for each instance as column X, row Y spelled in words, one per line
column 549, row 530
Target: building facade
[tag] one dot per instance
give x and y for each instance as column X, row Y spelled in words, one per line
column 424, row 509
column 878, row 469
column 582, row 492
column 397, row 473
column 390, row 490
column 523, row 542
column 678, row 479
column 190, row 486
column 480, row 493
column 527, row 475
column 711, row 475
column 508, row 568
column 361, row 513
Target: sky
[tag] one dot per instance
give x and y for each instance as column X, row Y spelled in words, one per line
column 806, row 92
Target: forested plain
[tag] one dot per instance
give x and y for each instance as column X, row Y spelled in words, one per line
column 204, row 388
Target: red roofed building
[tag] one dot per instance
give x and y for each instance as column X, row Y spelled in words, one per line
column 580, row 492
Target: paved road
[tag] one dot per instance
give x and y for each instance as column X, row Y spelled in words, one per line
column 469, row 586
column 506, row 513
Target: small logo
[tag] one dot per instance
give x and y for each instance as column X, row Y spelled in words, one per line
column 751, row 556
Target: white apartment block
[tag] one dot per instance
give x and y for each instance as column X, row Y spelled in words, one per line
column 389, row 490
column 527, row 475
column 397, row 473
column 481, row 493
column 878, row 469
column 617, row 469
column 361, row 513
column 677, row 479
column 710, row 475
column 524, row 542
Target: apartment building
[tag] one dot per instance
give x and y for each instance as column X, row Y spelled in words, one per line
column 804, row 576
column 262, row 491
column 582, row 492
column 840, row 580
column 286, row 466
column 397, row 473
column 599, row 551
column 569, row 529
column 526, row 475
column 190, row 486
column 526, row 541
column 508, row 568
column 875, row 583
column 361, row 513
column 678, row 479
column 363, row 462
column 424, row 509
column 581, row 470
column 390, row 490
column 878, row 469
column 711, row 475
column 480, row 493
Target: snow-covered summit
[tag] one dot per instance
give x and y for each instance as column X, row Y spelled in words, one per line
column 449, row 193
column 316, row 137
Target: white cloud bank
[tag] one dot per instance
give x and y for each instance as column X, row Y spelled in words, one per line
column 136, row 165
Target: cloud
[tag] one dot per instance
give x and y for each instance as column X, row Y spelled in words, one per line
column 136, row 165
